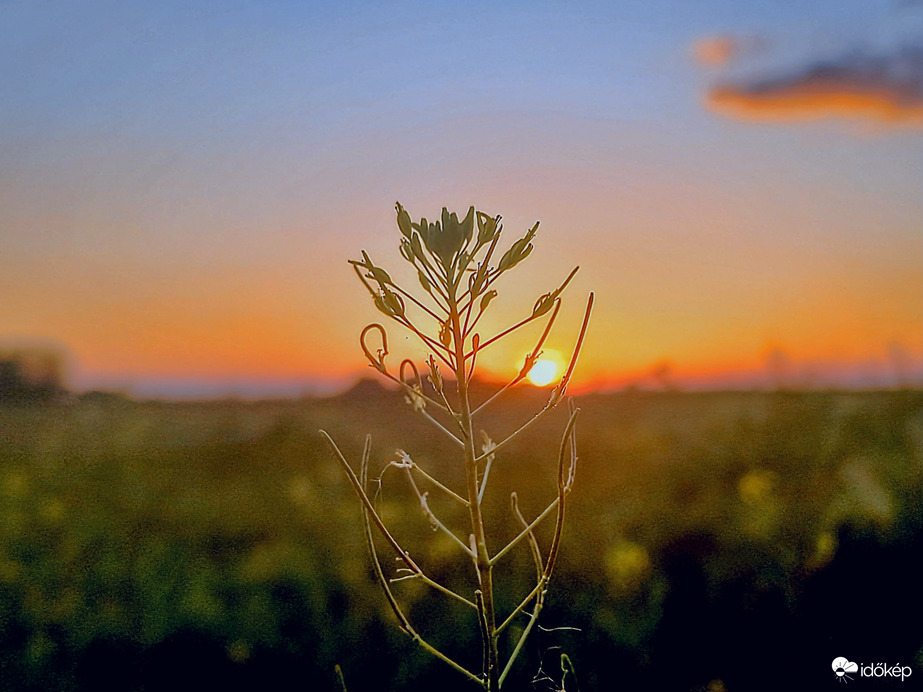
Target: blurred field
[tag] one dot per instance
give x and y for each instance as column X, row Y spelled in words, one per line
column 714, row 541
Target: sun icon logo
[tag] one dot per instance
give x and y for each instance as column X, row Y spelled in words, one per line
column 842, row 666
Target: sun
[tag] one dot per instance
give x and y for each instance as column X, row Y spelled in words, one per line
column 543, row 372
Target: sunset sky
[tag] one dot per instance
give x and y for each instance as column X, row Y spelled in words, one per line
column 181, row 184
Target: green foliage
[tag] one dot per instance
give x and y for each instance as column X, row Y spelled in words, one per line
column 133, row 532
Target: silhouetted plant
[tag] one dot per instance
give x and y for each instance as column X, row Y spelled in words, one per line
column 453, row 260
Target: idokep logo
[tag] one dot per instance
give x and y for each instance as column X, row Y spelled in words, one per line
column 842, row 667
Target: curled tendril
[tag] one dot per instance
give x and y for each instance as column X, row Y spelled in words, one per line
column 416, row 382
column 376, row 362
column 414, row 386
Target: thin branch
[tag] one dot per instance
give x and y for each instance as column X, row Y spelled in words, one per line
column 418, row 303
column 525, row 532
column 435, row 279
column 410, row 390
column 378, row 363
column 522, row 638
column 426, row 339
column 435, row 585
column 548, row 407
column 484, row 263
column 485, row 630
column 522, row 606
column 533, row 543
column 529, row 362
column 407, row 463
column 379, row 573
column 442, row 657
column 559, row 390
column 401, row 319
column 505, row 332
column 470, row 328
column 567, row 443
column 442, row 428
column 455, row 496
column 538, row 592
column 550, row 296
column 370, row 543
column 563, row 489
column 488, row 447
column 367, row 503
column 434, row 520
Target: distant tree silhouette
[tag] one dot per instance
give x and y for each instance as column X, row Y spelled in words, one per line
column 30, row 376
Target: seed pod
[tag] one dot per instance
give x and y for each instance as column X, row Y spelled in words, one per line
column 382, row 306
column 394, row 302
column 403, row 220
column 379, row 274
column 487, row 228
column 417, row 246
column 476, row 281
column 463, row 259
column 467, row 225
column 485, row 301
column 519, row 251
column 389, row 302
column 434, row 375
column 543, row 304
column 424, row 281
column 445, row 334
column 406, row 250
column 516, row 254
column 376, row 273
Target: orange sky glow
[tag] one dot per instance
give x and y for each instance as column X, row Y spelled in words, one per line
column 745, row 205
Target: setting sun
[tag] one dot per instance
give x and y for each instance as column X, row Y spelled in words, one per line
column 543, row 372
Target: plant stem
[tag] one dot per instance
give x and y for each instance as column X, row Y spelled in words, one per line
column 482, row 556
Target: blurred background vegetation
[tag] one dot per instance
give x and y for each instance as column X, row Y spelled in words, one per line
column 715, row 541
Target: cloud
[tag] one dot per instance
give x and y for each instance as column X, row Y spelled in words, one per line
column 885, row 88
column 720, row 51
column 715, row 51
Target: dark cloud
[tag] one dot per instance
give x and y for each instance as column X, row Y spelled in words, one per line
column 886, row 88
